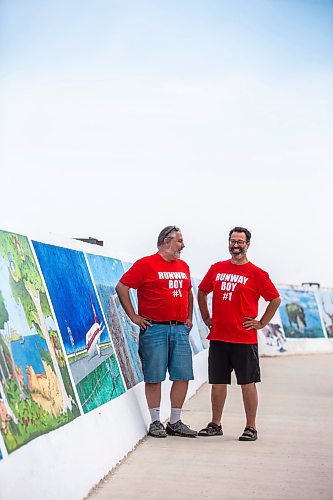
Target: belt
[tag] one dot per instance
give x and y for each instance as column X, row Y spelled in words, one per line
column 170, row 322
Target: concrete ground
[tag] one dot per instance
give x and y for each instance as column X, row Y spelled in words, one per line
column 292, row 459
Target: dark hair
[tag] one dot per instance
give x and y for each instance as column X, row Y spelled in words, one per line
column 239, row 229
column 165, row 233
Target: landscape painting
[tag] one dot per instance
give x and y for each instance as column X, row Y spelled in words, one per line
column 106, row 273
column 85, row 336
column 300, row 314
column 37, row 395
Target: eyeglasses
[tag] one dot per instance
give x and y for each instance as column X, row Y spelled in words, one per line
column 174, row 228
column 238, row 242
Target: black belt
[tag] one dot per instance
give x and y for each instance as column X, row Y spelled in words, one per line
column 170, row 322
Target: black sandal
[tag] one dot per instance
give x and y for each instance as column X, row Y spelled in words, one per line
column 211, row 430
column 249, row 434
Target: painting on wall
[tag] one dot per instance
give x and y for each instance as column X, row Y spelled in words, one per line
column 202, row 328
column 274, row 338
column 106, row 273
column 4, row 417
column 326, row 299
column 300, row 314
column 194, row 336
column 37, row 395
column 85, row 336
column 271, row 338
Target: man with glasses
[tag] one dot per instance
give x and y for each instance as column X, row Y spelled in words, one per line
column 237, row 285
column 165, row 306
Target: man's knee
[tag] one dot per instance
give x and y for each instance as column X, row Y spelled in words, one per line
column 248, row 387
column 153, row 386
column 219, row 387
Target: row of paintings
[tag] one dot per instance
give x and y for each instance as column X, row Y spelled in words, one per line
column 66, row 345
column 303, row 314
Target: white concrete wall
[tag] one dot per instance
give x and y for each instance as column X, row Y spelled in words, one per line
column 298, row 346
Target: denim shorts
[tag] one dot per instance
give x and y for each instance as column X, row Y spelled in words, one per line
column 165, row 347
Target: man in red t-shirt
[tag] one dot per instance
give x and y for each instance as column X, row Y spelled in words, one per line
column 165, row 307
column 237, row 285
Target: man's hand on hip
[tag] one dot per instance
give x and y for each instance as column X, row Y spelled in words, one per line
column 251, row 323
column 141, row 321
column 189, row 323
column 208, row 322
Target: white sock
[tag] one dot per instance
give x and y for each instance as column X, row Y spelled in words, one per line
column 154, row 414
column 175, row 415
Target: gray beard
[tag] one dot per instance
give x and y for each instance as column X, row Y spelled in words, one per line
column 238, row 256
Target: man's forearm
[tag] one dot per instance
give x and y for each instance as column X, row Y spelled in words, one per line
column 270, row 311
column 202, row 301
column 125, row 300
column 190, row 305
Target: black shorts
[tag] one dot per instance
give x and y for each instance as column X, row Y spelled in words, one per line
column 224, row 357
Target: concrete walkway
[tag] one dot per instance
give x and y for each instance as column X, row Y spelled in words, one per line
column 292, row 459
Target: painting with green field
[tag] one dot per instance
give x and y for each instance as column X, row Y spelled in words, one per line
column 37, row 395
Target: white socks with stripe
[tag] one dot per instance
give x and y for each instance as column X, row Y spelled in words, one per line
column 175, row 415
column 154, row 414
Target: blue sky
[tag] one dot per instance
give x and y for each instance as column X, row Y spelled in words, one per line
column 121, row 117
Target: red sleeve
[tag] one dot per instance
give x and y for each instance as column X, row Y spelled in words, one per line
column 189, row 274
column 206, row 284
column 266, row 288
column 134, row 276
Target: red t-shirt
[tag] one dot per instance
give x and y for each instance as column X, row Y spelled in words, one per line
column 236, row 292
column 162, row 287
